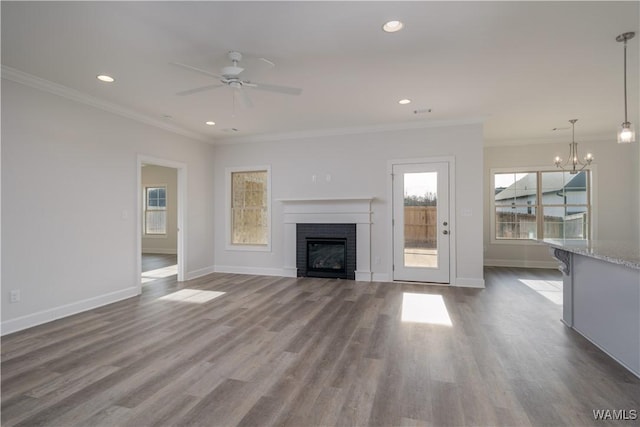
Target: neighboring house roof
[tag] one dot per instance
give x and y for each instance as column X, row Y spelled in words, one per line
column 526, row 186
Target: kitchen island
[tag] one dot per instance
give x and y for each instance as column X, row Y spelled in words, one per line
column 601, row 294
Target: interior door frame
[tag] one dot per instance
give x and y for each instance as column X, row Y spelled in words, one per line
column 182, row 204
column 452, row 211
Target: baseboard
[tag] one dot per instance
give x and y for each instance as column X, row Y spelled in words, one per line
column 199, row 273
column 363, row 276
column 381, row 277
column 290, row 272
column 464, row 282
column 520, row 263
column 159, row 251
column 45, row 316
column 255, row 271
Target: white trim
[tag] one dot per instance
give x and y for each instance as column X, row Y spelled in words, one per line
column 327, row 199
column 227, row 203
column 451, row 160
column 200, row 272
column 290, row 272
column 39, row 83
column 465, row 282
column 254, row 271
column 389, row 127
column 546, row 140
column 519, row 263
column 48, row 315
column 381, row 277
column 182, row 212
column 342, row 210
column 363, row 276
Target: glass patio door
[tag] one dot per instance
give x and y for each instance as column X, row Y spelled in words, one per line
column 421, row 222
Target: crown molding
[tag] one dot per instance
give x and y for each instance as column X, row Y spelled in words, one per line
column 599, row 138
column 35, row 82
column 389, row 127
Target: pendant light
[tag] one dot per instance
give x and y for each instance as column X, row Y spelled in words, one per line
column 626, row 133
column 573, row 162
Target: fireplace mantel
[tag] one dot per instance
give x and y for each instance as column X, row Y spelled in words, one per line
column 327, row 199
column 334, row 210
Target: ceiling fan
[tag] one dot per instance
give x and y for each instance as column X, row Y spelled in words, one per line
column 230, row 76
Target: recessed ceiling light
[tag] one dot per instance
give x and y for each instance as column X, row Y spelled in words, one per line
column 105, row 78
column 392, row 26
column 210, row 123
column 404, row 101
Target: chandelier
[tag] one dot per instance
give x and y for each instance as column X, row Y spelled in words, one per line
column 573, row 163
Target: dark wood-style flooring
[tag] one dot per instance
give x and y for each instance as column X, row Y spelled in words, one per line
column 271, row 351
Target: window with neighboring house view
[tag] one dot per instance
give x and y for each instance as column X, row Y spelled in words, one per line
column 541, row 205
column 250, row 208
column 155, row 210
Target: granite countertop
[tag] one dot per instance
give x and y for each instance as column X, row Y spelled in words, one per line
column 616, row 252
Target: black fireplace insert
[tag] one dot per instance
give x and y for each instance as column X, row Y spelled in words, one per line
column 327, row 255
column 326, row 250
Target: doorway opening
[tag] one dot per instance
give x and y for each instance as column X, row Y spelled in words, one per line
column 422, row 225
column 161, row 200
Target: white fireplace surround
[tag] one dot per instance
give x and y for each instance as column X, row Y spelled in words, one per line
column 342, row 210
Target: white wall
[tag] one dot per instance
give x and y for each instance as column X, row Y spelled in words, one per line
column 168, row 177
column 357, row 165
column 615, row 203
column 69, row 201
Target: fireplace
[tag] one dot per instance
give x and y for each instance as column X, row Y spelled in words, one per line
column 298, row 214
column 326, row 250
column 326, row 255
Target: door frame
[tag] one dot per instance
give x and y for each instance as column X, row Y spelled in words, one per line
column 452, row 211
column 181, row 222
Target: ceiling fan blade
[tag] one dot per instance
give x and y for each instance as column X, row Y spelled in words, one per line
column 266, row 61
column 247, row 100
column 278, row 89
column 197, row 70
column 199, row 89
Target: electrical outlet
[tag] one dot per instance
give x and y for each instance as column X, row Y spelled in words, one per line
column 14, row 296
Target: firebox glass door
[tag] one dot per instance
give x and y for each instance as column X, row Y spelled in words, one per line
column 421, row 222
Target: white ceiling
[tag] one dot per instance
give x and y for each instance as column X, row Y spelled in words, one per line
column 524, row 67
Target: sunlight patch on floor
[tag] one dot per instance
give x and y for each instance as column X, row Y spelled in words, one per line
column 550, row 289
column 425, row 308
column 159, row 273
column 196, row 296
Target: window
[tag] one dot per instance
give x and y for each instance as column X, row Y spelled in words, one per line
column 541, row 205
column 250, row 208
column 155, row 210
